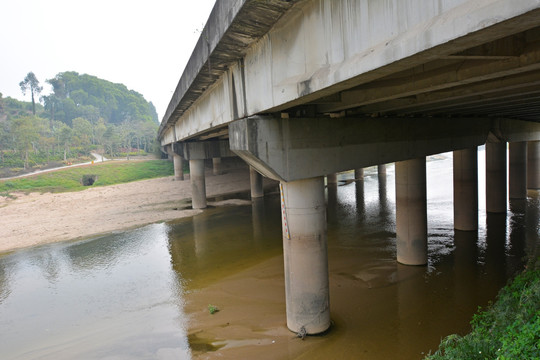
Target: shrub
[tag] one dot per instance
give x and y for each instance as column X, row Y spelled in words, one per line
column 508, row 329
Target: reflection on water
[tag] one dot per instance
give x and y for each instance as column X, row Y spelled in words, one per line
column 123, row 296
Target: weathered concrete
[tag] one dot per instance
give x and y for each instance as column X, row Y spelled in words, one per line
column 178, row 167
column 293, row 149
column 216, row 166
column 331, row 179
column 305, row 256
column 411, row 212
column 533, row 165
column 496, row 199
column 198, row 183
column 381, row 169
column 359, row 174
column 256, row 182
column 269, row 56
column 466, row 189
column 201, row 150
column 517, row 170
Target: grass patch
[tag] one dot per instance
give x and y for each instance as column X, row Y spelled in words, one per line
column 107, row 173
column 212, row 309
column 508, row 329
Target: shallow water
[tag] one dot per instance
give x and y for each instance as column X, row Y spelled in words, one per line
column 123, row 296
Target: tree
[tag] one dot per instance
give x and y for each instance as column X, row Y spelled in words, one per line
column 82, row 128
column 26, row 133
column 31, row 83
column 52, row 104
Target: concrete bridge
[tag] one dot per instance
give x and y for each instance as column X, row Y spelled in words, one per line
column 303, row 89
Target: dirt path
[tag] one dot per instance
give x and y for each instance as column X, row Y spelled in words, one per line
column 37, row 219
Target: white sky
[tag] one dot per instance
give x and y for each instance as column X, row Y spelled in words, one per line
column 143, row 44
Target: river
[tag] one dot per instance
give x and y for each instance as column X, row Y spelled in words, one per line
column 143, row 293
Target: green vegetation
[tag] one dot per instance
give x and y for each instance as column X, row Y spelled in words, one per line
column 212, row 309
column 508, row 329
column 82, row 114
column 70, row 179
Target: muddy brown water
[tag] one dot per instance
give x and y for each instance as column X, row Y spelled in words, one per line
column 144, row 293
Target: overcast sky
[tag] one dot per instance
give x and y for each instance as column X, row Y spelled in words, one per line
column 143, row 44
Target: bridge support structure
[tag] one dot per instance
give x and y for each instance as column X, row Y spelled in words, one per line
column 196, row 153
column 305, row 255
column 466, row 189
column 496, row 177
column 178, row 167
column 533, row 165
column 198, row 183
column 216, row 166
column 517, row 170
column 411, row 212
column 256, row 183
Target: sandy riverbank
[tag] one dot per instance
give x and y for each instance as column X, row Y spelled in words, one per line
column 37, row 219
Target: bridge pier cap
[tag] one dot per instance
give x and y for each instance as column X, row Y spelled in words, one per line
column 300, row 148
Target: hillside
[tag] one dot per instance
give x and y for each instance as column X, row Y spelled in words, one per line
column 82, row 114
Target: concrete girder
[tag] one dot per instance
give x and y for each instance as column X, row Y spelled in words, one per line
column 200, row 150
column 497, row 89
column 299, row 148
column 295, row 61
column 424, row 79
column 510, row 130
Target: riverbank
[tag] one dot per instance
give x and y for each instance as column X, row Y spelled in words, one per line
column 36, row 219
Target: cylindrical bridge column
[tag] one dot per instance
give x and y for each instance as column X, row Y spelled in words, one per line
column 216, row 166
column 411, row 212
column 466, row 189
column 178, row 167
column 496, row 177
column 381, row 170
column 256, row 182
column 198, row 184
column 359, row 174
column 533, row 165
column 517, row 172
column 305, row 255
column 331, row 179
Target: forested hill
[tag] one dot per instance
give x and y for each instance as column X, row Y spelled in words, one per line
column 82, row 114
column 87, row 96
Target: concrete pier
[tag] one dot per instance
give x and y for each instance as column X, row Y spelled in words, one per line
column 466, row 189
column 517, row 173
column 178, row 167
column 381, row 170
column 331, row 178
column 411, row 212
column 256, row 182
column 216, row 166
column 533, row 165
column 198, row 184
column 496, row 177
column 359, row 174
column 305, row 255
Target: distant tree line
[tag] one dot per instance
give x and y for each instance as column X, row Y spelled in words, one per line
column 82, row 114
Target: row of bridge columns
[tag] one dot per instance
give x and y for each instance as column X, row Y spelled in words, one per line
column 304, row 216
column 304, row 219
column 198, row 179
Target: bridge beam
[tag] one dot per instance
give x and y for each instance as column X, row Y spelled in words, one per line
column 301, row 148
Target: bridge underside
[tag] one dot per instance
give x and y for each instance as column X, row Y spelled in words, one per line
column 303, row 89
